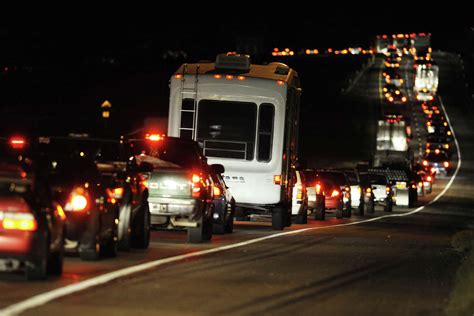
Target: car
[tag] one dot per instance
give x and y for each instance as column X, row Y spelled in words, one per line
column 380, row 192
column 394, row 78
column 435, row 141
column 358, row 186
column 395, row 98
column 437, row 161
column 299, row 206
column 315, row 194
column 101, row 192
column 179, row 184
column 334, row 198
column 224, row 203
column 31, row 223
column 339, row 178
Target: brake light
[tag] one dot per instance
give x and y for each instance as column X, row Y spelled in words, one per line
column 196, row 186
column 77, row 201
column 216, row 191
column 17, row 142
column 277, row 179
column 154, row 137
column 318, row 188
column 18, row 221
column 334, row 193
column 446, row 164
column 114, row 194
column 280, row 82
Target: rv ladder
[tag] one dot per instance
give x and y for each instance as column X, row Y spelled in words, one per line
column 189, row 93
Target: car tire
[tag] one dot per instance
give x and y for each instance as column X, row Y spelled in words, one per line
column 302, row 218
column 278, row 218
column 219, row 228
column 141, row 227
column 388, row 207
column 229, row 226
column 125, row 241
column 369, row 207
column 360, row 209
column 36, row 269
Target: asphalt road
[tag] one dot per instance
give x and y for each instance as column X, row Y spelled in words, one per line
column 396, row 265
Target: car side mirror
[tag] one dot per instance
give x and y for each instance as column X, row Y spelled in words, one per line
column 217, row 169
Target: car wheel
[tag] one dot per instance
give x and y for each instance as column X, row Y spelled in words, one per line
column 369, row 207
column 36, row 269
column 125, row 226
column 229, row 227
column 278, row 218
column 141, row 228
column 302, row 217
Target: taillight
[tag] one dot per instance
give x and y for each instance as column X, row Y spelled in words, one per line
column 388, row 190
column 216, row 191
column 115, row 194
column 18, row 221
column 299, row 192
column 318, row 188
column 277, row 179
column 17, row 142
column 334, row 193
column 196, row 186
column 77, row 201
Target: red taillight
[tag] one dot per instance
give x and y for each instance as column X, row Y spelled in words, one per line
column 18, row 221
column 334, row 193
column 277, row 179
column 318, row 188
column 77, row 201
column 196, row 186
column 17, row 142
column 154, row 137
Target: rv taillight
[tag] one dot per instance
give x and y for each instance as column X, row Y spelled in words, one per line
column 277, row 179
column 318, row 188
column 446, row 164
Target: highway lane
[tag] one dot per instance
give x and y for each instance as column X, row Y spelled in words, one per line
column 361, row 269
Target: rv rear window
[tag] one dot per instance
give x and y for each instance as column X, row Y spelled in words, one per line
column 265, row 131
column 227, row 129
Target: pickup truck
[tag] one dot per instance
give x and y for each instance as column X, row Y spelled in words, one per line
column 180, row 185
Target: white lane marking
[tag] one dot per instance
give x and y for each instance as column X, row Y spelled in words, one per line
column 46, row 297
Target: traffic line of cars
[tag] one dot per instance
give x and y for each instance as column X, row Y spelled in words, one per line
column 92, row 197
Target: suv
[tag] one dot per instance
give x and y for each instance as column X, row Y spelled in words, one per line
column 179, row 184
column 101, row 192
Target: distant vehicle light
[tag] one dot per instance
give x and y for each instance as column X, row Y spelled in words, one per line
column 429, row 178
column 425, row 162
column 280, row 82
column 216, row 191
column 17, row 142
column 77, row 203
column 446, row 164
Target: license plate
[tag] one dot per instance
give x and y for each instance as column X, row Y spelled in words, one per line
column 158, row 208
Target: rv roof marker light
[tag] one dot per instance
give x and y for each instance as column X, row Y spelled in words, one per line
column 217, row 76
column 241, row 78
column 229, row 77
